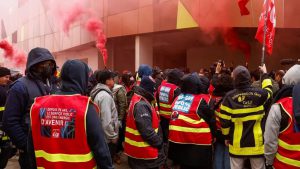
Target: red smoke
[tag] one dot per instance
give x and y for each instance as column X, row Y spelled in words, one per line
column 96, row 28
column 232, row 39
column 72, row 15
column 17, row 58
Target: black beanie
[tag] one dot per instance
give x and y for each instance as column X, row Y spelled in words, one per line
column 4, row 71
column 148, row 84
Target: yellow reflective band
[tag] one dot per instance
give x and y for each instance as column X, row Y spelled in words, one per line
column 257, row 132
column 40, row 168
column 165, row 105
column 135, row 143
column 225, row 131
column 189, row 120
column 246, row 151
column 288, row 161
column 266, row 83
column 4, row 138
column 135, row 132
column 222, row 116
column 288, row 146
column 188, row 129
column 248, row 118
column 166, row 113
column 2, row 108
column 242, row 111
column 237, row 134
column 72, row 158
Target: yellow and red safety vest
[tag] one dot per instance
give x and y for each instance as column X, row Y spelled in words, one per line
column 135, row 146
column 166, row 97
column 58, row 126
column 288, row 153
column 186, row 127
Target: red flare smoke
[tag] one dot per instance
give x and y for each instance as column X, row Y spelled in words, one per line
column 96, row 28
column 72, row 16
column 18, row 58
column 232, row 40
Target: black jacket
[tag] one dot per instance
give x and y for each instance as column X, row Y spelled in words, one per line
column 21, row 96
column 143, row 118
column 75, row 81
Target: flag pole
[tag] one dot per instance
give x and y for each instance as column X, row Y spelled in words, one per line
column 265, row 33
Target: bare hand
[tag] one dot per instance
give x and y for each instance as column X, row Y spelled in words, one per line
column 115, row 141
column 227, row 142
column 218, row 68
column 263, row 68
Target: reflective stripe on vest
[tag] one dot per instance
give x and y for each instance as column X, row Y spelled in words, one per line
column 166, row 98
column 288, row 152
column 59, row 132
column 134, row 145
column 186, row 127
column 2, row 108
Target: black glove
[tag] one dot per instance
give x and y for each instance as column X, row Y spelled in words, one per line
column 269, row 166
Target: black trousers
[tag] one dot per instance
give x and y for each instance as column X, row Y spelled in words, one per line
column 24, row 161
column 5, row 154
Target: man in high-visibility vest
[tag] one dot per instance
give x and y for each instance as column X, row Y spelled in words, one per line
column 65, row 128
column 241, row 114
column 166, row 94
column 143, row 139
column 5, row 145
column 282, row 132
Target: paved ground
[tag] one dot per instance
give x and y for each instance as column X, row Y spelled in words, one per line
column 13, row 163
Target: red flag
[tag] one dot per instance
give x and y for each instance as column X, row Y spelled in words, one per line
column 271, row 24
column 243, row 8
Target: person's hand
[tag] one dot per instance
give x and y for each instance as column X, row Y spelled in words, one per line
column 115, row 141
column 263, row 68
column 218, row 68
column 227, row 142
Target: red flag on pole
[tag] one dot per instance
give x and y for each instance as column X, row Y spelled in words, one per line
column 243, row 8
column 269, row 12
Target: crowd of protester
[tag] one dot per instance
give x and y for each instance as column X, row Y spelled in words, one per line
column 221, row 117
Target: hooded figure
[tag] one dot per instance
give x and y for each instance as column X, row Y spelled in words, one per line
column 74, row 76
column 40, row 69
column 187, row 155
column 277, row 120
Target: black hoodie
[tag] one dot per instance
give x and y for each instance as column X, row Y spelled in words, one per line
column 74, row 77
column 21, row 96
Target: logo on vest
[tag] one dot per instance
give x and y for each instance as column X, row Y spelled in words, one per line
column 183, row 103
column 57, row 122
column 164, row 94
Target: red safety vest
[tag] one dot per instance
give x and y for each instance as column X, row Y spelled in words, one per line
column 135, row 146
column 166, row 98
column 186, row 127
column 59, row 132
column 217, row 112
column 288, row 153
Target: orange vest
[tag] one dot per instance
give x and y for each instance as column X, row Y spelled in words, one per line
column 166, row 98
column 288, row 153
column 135, row 146
column 186, row 127
column 59, row 132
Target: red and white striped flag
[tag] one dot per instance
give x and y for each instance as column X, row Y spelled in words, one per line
column 270, row 28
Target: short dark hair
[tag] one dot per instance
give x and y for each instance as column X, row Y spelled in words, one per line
column 102, row 76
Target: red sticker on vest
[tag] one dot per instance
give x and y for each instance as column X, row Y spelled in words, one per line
column 57, row 122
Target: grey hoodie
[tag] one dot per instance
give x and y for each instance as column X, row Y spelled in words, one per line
column 102, row 96
column 273, row 123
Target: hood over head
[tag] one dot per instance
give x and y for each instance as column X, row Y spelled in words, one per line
column 174, row 76
column 292, row 76
column 191, row 84
column 241, row 77
column 75, row 76
column 38, row 55
column 148, row 84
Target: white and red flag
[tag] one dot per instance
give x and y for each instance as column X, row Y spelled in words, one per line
column 269, row 12
column 243, row 8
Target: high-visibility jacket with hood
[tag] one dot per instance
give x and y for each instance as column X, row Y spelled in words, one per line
column 242, row 113
column 288, row 153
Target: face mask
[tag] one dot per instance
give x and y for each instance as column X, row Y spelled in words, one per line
column 46, row 72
